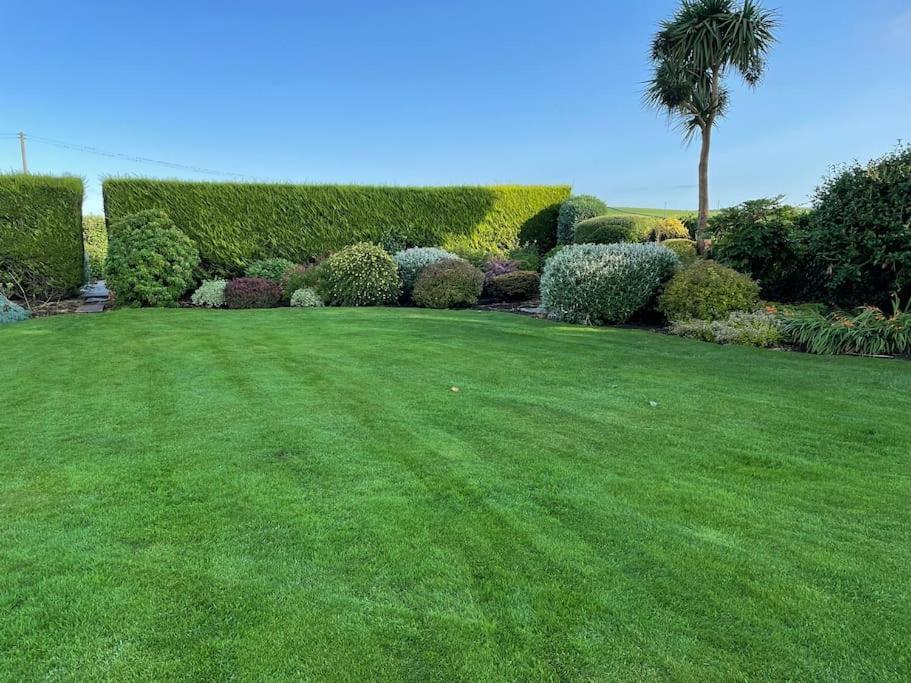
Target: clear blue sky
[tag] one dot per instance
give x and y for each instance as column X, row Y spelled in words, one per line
column 438, row 93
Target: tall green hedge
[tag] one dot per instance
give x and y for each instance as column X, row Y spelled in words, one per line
column 41, row 233
column 234, row 223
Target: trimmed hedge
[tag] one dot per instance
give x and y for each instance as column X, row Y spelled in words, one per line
column 572, row 211
column 95, row 236
column 41, row 233
column 606, row 230
column 235, row 223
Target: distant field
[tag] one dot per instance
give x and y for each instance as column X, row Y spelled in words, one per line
column 620, row 210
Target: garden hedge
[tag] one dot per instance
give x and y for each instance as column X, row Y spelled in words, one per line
column 235, row 223
column 41, row 233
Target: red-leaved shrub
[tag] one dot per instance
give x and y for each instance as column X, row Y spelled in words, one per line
column 252, row 292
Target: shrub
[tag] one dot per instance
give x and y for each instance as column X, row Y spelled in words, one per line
column 598, row 284
column 210, row 294
column 575, row 210
column 233, row 223
column 868, row 332
column 708, row 291
column 859, row 232
column 684, row 248
column 411, row 262
column 520, row 285
column 296, row 277
column 691, row 223
column 759, row 329
column 11, row 312
column 526, row 256
column 95, row 237
column 306, row 297
column 496, row 267
column 269, row 269
column 667, row 229
column 150, row 261
column 360, row 275
column 448, row 284
column 252, row 292
column 763, row 239
column 606, row 230
column 41, row 245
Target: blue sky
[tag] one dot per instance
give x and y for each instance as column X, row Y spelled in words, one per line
column 437, row 93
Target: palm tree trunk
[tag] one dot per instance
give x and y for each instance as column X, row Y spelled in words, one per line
column 703, row 187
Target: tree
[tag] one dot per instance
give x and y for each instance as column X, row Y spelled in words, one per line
column 691, row 55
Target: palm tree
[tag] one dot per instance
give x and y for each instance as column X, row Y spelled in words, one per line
column 691, row 54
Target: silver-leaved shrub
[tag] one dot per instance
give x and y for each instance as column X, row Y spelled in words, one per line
column 411, row 262
column 211, row 294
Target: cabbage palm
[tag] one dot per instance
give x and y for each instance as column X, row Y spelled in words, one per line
column 692, row 53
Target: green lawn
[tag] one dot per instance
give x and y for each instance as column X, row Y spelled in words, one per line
column 299, row 494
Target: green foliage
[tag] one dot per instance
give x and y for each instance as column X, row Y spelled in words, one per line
column 11, row 312
column 410, row 263
column 526, row 256
column 360, row 275
column 868, row 332
column 764, row 239
column 758, row 329
column 41, row 234
column 691, row 223
column 573, row 211
column 299, row 276
column 708, row 291
column 448, row 284
column 95, row 237
column 606, row 230
column 306, row 297
column 519, row 285
column 210, row 294
column 252, row 292
column 667, row 229
column 684, row 248
column 270, row 268
column 599, row 284
column 860, row 232
column 150, row 261
column 234, row 223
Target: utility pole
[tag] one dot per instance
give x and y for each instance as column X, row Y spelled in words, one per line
column 22, row 149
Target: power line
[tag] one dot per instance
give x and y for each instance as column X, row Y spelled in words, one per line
column 138, row 159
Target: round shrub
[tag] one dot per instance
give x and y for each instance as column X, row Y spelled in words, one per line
column 150, row 261
column 708, row 291
column 306, row 297
column 360, row 275
column 519, row 285
column 606, row 230
column 597, row 284
column 411, row 262
column 668, row 229
column 269, row 268
column 210, row 294
column 684, row 248
column 574, row 210
column 252, row 292
column 448, row 284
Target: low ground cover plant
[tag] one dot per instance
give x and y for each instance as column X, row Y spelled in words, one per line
column 448, row 284
column 270, row 268
column 11, row 312
column 252, row 292
column 210, row 294
column 411, row 262
column 360, row 275
column 150, row 261
column 306, row 297
column 708, row 291
column 519, row 285
column 868, row 331
column 760, row 329
column 600, row 284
